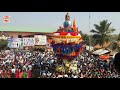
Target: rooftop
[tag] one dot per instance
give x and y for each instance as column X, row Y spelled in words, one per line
column 26, row 29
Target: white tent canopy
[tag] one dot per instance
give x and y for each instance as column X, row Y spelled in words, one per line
column 101, row 51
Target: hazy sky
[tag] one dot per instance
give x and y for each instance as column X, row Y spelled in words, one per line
column 55, row 19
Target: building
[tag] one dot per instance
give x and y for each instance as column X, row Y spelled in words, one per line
column 15, row 31
column 16, row 34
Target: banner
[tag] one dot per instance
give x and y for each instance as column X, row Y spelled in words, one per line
column 40, row 40
column 15, row 43
column 28, row 41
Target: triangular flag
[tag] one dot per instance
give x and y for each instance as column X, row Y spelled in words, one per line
column 74, row 26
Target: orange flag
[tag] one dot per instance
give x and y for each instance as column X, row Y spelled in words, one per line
column 74, row 26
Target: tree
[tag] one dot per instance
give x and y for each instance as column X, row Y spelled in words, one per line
column 102, row 32
column 118, row 37
column 81, row 33
column 3, row 44
column 85, row 37
column 115, row 45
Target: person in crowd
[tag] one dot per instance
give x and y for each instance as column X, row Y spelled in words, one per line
column 29, row 73
column 20, row 73
column 17, row 73
column 25, row 74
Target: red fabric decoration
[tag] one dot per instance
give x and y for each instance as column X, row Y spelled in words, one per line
column 63, row 33
column 74, row 33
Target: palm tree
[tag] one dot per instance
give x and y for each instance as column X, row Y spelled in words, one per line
column 102, row 32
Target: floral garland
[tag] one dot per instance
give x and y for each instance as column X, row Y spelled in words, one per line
column 67, row 51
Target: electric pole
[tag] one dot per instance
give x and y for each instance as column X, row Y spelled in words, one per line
column 89, row 33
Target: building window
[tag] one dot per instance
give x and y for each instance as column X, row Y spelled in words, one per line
column 19, row 36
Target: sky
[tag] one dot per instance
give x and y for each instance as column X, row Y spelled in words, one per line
column 50, row 21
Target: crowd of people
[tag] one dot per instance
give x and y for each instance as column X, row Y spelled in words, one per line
column 93, row 67
column 36, row 64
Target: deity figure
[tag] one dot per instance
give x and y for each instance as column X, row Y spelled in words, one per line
column 67, row 17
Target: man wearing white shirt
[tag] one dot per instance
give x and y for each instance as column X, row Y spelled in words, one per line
column 66, row 76
column 49, row 74
column 30, row 67
column 60, row 76
column 75, row 76
column 13, row 70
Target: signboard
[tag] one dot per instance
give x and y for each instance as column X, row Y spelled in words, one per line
column 6, row 19
column 15, row 43
column 40, row 40
column 28, row 41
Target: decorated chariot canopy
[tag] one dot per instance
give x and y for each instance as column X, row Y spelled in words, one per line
column 67, row 41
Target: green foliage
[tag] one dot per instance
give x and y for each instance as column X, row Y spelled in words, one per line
column 118, row 37
column 81, row 33
column 3, row 44
column 115, row 44
column 102, row 32
column 115, row 47
column 85, row 37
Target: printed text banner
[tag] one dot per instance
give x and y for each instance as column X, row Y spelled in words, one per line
column 28, row 41
column 15, row 43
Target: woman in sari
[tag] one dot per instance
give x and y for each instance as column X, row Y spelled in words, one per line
column 20, row 74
